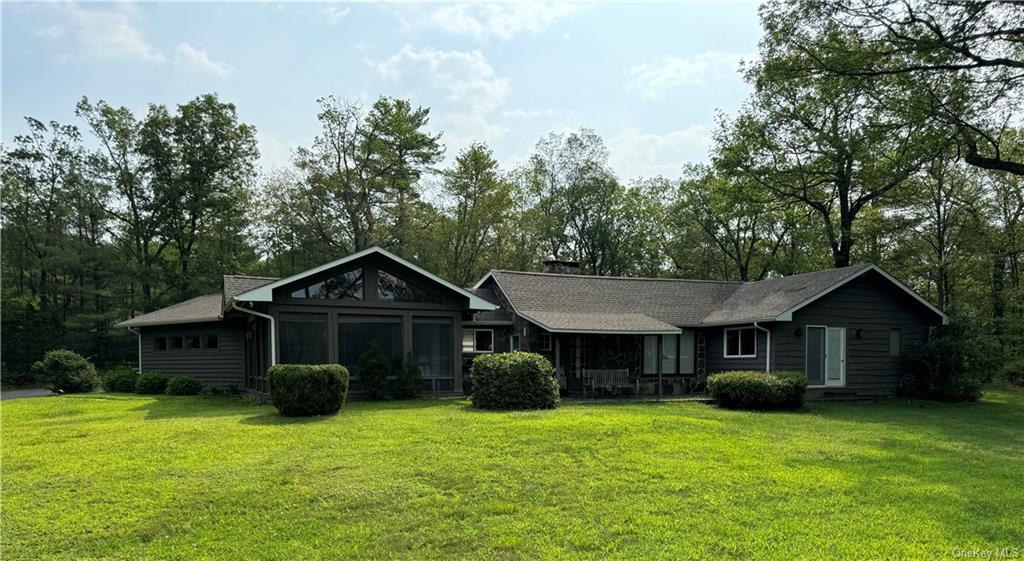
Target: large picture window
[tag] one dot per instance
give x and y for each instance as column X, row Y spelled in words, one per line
column 345, row 286
column 356, row 336
column 391, row 288
column 740, row 342
column 433, row 347
column 304, row 339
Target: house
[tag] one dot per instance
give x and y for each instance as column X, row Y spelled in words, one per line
column 844, row 328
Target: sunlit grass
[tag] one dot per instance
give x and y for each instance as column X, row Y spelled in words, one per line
column 129, row 477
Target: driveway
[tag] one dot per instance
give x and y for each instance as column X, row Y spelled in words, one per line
column 30, row 392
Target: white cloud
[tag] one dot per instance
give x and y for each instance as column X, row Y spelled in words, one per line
column 196, row 60
column 100, row 35
column 528, row 114
column 494, row 20
column 466, row 82
column 654, row 80
column 51, row 32
column 275, row 153
column 336, row 12
column 635, row 153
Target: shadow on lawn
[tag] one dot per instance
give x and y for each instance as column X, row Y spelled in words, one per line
column 172, row 407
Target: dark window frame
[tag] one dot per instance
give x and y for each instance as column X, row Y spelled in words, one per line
column 158, row 340
column 211, row 337
column 546, row 341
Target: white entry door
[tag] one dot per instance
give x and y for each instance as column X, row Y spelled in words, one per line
column 825, row 359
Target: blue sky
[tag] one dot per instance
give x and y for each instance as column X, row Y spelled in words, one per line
column 647, row 77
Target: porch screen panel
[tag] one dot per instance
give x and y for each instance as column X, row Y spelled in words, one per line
column 432, row 344
column 650, row 354
column 815, row 367
column 304, row 339
column 669, row 353
column 686, row 353
column 357, row 335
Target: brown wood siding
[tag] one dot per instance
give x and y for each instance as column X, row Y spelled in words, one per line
column 872, row 305
column 222, row 367
column 714, row 357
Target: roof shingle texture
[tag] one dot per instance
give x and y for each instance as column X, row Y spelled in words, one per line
column 489, row 316
column 769, row 298
column 668, row 301
column 200, row 308
column 237, row 284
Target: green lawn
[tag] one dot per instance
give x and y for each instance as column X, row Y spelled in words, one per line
column 128, row 477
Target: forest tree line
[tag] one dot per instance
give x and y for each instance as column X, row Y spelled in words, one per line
column 875, row 133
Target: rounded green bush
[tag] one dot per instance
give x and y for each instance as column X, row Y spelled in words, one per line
column 66, row 371
column 299, row 390
column 150, row 383
column 511, row 381
column 120, row 380
column 745, row 389
column 183, row 385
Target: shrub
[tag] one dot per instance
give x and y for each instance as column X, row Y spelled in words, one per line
column 949, row 367
column 409, row 383
column 183, row 385
column 758, row 390
column 66, row 371
column 120, row 380
column 513, row 381
column 150, row 383
column 308, row 389
column 373, row 372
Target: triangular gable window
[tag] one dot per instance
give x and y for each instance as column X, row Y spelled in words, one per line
column 391, row 288
column 345, row 286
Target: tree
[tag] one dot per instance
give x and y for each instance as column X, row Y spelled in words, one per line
column 961, row 61
column 119, row 164
column 373, row 370
column 201, row 161
column 357, row 182
column 833, row 145
column 479, row 202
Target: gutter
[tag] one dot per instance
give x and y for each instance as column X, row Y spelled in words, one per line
column 768, row 347
column 273, row 329
column 139, row 333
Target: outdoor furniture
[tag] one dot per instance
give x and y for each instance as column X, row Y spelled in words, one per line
column 610, row 380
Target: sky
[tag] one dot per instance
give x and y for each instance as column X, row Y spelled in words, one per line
column 648, row 77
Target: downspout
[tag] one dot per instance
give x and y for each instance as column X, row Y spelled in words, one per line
column 768, row 347
column 273, row 337
column 139, row 333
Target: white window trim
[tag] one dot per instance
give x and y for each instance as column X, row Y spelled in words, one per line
column 475, row 350
column 824, row 374
column 725, row 342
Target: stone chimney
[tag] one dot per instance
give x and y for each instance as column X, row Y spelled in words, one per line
column 562, row 267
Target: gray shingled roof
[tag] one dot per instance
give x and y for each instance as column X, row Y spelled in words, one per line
column 200, row 308
column 767, row 299
column 237, row 284
column 586, row 322
column 490, row 316
column 674, row 302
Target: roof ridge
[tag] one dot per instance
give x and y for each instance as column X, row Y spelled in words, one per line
column 606, row 277
column 253, row 277
column 831, row 270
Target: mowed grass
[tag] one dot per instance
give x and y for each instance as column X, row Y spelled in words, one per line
column 129, row 477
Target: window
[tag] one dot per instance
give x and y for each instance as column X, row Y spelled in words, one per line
column 513, row 343
column 356, row 335
column 432, row 342
column 160, row 343
column 686, row 353
column 478, row 341
column 825, row 356
column 303, row 339
column 345, row 286
column 393, row 289
column 650, row 365
column 192, row 341
column 545, row 341
column 212, row 342
column 895, row 342
column 740, row 342
column 177, row 342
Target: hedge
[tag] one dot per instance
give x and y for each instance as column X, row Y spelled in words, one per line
column 745, row 389
column 183, row 385
column 150, row 383
column 510, row 381
column 299, row 390
column 66, row 371
column 121, row 380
